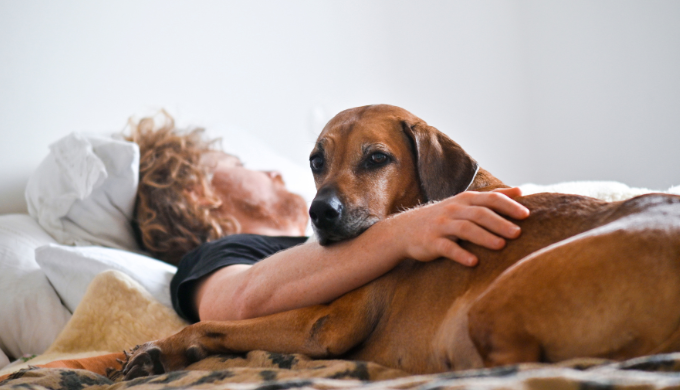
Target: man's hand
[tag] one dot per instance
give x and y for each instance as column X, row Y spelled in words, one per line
column 432, row 231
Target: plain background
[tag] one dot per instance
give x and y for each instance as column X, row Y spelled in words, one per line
column 537, row 91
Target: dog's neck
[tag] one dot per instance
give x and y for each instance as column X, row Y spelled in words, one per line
column 484, row 181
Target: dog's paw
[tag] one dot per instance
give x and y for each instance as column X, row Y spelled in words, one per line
column 159, row 357
column 143, row 360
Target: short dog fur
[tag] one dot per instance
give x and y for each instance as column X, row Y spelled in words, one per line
column 585, row 278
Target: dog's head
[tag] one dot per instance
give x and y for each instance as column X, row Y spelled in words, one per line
column 373, row 161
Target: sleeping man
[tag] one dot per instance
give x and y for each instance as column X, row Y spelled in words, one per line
column 237, row 235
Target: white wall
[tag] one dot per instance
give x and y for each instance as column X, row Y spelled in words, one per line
column 537, row 91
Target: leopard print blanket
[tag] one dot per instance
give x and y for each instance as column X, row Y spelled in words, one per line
column 271, row 371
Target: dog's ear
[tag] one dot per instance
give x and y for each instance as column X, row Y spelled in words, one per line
column 444, row 168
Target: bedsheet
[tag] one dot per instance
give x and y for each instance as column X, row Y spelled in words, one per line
column 264, row 370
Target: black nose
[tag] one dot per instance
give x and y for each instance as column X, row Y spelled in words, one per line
column 326, row 210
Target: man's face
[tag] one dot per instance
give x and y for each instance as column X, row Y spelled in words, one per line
column 255, row 198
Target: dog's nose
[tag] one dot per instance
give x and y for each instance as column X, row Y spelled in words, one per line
column 325, row 211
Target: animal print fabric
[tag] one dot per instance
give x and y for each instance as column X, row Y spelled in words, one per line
column 270, row 371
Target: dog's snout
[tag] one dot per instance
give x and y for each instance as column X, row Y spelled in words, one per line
column 325, row 211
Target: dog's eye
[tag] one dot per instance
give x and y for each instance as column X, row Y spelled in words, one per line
column 379, row 158
column 316, row 163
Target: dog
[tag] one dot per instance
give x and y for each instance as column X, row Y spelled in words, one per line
column 586, row 278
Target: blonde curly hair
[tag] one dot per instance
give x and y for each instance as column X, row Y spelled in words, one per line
column 175, row 209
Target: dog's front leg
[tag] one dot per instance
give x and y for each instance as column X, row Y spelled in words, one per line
column 317, row 331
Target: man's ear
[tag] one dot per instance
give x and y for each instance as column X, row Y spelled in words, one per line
column 444, row 168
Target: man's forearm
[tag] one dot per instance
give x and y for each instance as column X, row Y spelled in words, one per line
column 301, row 276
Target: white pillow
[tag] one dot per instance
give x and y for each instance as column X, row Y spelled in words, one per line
column 31, row 314
column 71, row 269
column 4, row 360
column 83, row 193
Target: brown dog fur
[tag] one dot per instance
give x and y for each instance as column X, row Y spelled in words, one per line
column 585, row 278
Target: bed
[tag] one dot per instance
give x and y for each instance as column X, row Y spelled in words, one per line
column 74, row 286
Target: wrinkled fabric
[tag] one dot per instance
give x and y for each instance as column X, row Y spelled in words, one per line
column 83, row 193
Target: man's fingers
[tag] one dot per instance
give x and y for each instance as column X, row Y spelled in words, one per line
column 477, row 217
column 491, row 221
column 470, row 231
column 450, row 250
column 513, row 192
column 500, row 203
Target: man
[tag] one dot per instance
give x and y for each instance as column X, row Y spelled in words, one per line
column 239, row 232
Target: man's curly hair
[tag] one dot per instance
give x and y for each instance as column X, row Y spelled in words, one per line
column 175, row 209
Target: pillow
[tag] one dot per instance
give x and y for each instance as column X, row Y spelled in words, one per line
column 31, row 314
column 83, row 193
column 4, row 360
column 71, row 269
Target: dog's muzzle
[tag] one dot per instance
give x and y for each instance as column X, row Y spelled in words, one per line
column 326, row 211
column 333, row 222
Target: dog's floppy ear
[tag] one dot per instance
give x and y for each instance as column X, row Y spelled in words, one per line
column 444, row 168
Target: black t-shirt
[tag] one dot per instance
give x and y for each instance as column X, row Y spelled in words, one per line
column 211, row 256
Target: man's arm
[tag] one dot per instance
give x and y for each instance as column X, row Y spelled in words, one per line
column 310, row 274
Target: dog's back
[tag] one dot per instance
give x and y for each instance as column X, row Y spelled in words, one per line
column 423, row 325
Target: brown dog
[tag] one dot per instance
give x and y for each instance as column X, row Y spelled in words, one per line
column 585, row 278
